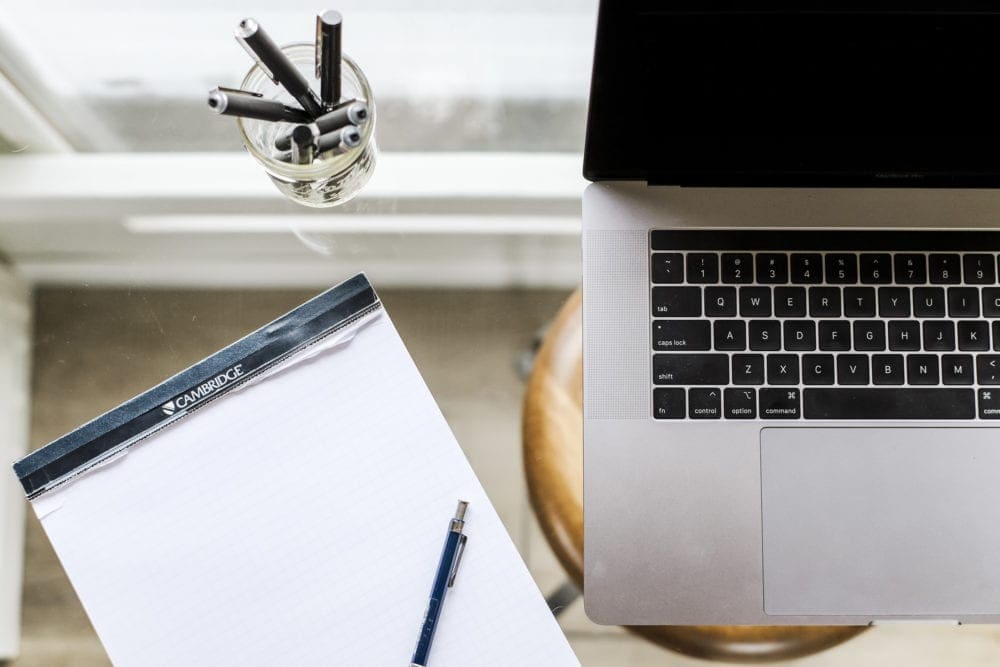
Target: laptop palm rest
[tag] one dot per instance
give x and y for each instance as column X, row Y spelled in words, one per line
column 881, row 521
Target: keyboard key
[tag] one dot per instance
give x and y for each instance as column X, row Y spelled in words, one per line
column 730, row 335
column 755, row 301
column 676, row 302
column 888, row 369
column 991, row 302
column 893, row 302
column 928, row 301
column 989, row 404
column 800, row 335
column 979, row 269
column 834, row 336
column 824, row 302
column 904, row 336
column 911, row 269
column 945, row 269
column 973, row 336
column 705, row 404
column 782, row 369
column 748, row 369
column 876, row 269
column 817, row 369
column 789, row 301
column 737, row 267
column 720, row 301
column 859, row 302
column 668, row 403
column 807, row 268
column 740, row 403
column 852, row 369
column 691, row 369
column 869, row 335
column 895, row 403
column 765, row 335
column 772, row 268
column 779, row 403
column 841, row 268
column 939, row 336
column 996, row 336
column 689, row 335
column 988, row 368
column 922, row 369
column 957, row 369
column 963, row 302
column 668, row 267
column 702, row 267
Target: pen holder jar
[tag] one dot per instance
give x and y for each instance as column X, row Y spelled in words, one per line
column 330, row 179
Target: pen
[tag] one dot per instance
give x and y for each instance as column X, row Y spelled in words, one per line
column 351, row 112
column 337, row 142
column 454, row 547
column 230, row 102
column 276, row 65
column 328, row 56
column 303, row 143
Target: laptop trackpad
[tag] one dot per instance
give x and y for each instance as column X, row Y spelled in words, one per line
column 881, row 521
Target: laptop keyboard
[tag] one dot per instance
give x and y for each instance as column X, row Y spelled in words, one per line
column 825, row 325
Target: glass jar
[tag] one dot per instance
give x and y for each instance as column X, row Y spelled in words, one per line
column 330, row 179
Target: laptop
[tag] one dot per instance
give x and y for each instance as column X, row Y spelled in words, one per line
column 792, row 314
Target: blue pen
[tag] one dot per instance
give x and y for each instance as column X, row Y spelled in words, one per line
column 454, row 546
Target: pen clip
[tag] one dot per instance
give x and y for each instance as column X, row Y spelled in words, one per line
column 458, row 559
column 260, row 63
column 239, row 91
column 319, row 46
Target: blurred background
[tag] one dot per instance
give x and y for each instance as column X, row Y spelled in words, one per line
column 136, row 236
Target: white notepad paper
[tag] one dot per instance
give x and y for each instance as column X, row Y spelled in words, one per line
column 298, row 520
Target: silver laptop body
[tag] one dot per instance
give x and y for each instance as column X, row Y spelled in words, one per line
column 792, row 314
column 767, row 521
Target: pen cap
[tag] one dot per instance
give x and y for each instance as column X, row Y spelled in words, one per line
column 332, row 178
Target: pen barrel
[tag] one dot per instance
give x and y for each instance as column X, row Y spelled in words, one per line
column 303, row 144
column 421, row 653
column 436, row 602
column 251, row 106
column 328, row 56
column 281, row 68
column 343, row 139
column 349, row 113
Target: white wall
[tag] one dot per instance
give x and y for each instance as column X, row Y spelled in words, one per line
column 15, row 349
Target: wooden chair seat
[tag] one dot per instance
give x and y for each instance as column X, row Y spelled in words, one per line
column 553, row 459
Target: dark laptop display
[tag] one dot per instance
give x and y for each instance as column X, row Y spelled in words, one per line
column 725, row 93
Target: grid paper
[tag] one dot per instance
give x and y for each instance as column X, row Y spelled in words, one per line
column 299, row 522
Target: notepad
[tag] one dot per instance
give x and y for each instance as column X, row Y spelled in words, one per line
column 285, row 502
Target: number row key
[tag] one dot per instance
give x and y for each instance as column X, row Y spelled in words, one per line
column 813, row 268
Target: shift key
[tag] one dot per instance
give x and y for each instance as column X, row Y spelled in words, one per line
column 691, row 369
column 676, row 302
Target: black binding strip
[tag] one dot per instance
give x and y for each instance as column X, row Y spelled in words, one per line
column 825, row 240
column 208, row 379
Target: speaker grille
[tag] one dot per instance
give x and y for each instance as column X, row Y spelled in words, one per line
column 616, row 346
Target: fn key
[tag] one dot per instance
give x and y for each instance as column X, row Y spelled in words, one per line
column 668, row 404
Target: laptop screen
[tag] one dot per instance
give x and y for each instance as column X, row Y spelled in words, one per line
column 704, row 93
